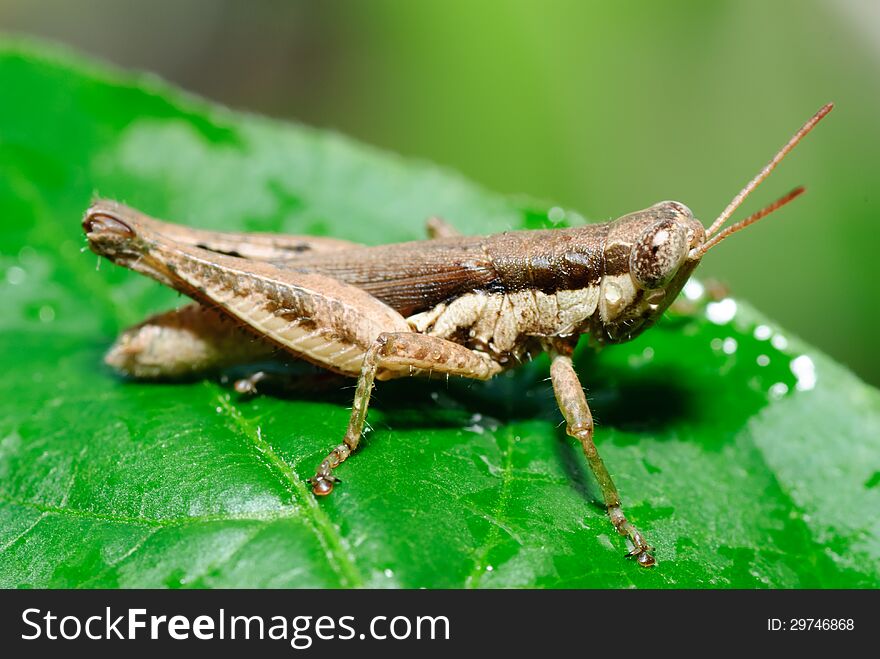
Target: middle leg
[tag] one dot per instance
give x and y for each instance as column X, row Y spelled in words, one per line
column 399, row 354
column 437, row 227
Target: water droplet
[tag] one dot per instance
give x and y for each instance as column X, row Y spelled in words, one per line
column 605, row 541
column 763, row 332
column 641, row 359
column 729, row 345
column 219, row 409
column 763, row 360
column 575, row 218
column 489, row 568
column 693, row 290
column 779, row 342
column 778, row 390
column 15, row 275
column 721, row 312
column 47, row 314
column 805, row 371
column 389, row 573
column 716, row 343
column 477, row 425
column 556, row 215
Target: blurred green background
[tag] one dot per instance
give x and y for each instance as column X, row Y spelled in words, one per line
column 601, row 107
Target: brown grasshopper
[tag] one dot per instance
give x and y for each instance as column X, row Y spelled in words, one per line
column 457, row 305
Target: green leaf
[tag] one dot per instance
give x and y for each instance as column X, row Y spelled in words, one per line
column 742, row 468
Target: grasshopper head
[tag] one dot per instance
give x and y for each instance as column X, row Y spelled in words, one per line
column 650, row 254
column 646, row 265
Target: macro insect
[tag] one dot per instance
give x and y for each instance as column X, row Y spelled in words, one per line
column 469, row 306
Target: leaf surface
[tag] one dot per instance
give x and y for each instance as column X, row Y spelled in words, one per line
column 746, row 457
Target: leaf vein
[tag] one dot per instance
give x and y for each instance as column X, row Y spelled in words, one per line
column 23, row 534
column 332, row 543
column 494, row 533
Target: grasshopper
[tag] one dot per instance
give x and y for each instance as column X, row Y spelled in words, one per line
column 469, row 306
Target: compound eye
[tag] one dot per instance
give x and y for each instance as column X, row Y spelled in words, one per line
column 658, row 253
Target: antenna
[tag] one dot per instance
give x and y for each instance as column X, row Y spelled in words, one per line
column 742, row 224
column 755, row 182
